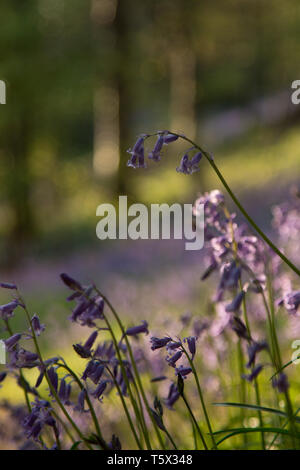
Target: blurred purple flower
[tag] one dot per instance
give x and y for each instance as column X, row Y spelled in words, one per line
column 239, row 327
column 8, row 285
column 234, row 306
column 39, row 417
column 173, row 396
column 7, row 310
column 254, row 349
column 291, row 301
column 255, row 371
column 281, row 383
column 71, row 283
column 136, row 330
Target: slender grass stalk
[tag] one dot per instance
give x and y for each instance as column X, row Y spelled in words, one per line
column 171, row 439
column 245, row 314
column 243, row 387
column 63, row 424
column 88, row 400
column 137, row 375
column 200, row 396
column 125, row 409
column 283, row 426
column 194, row 420
column 289, row 406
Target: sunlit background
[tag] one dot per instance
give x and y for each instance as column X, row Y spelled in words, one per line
column 83, row 79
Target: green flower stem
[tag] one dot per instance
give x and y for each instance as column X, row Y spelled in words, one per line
column 194, row 420
column 245, row 314
column 238, row 204
column 201, row 397
column 58, row 418
column 170, row 438
column 134, row 404
column 289, row 406
column 243, row 387
column 133, row 365
column 88, row 400
column 132, row 399
column 125, row 408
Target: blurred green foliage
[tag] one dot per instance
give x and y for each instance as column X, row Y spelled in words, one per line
column 83, row 78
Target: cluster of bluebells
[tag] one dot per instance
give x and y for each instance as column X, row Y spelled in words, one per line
column 241, row 261
column 175, row 353
column 188, row 164
column 104, row 370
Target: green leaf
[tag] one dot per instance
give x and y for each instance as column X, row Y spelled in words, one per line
column 283, row 367
column 234, row 432
column 75, row 445
column 256, row 407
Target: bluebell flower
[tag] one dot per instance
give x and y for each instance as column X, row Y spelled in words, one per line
column 183, row 371
column 173, row 396
column 39, row 416
column 158, row 343
column 98, row 392
column 36, row 325
column 53, row 377
column 71, row 283
column 7, row 310
column 187, row 166
column 191, row 342
column 169, row 138
column 155, row 153
column 64, row 392
column 184, row 165
column 11, row 342
column 171, row 360
column 137, row 159
column 81, row 401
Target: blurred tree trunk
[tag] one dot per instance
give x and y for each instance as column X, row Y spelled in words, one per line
column 111, row 102
column 123, row 86
column 182, row 66
column 19, row 124
column 18, row 143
